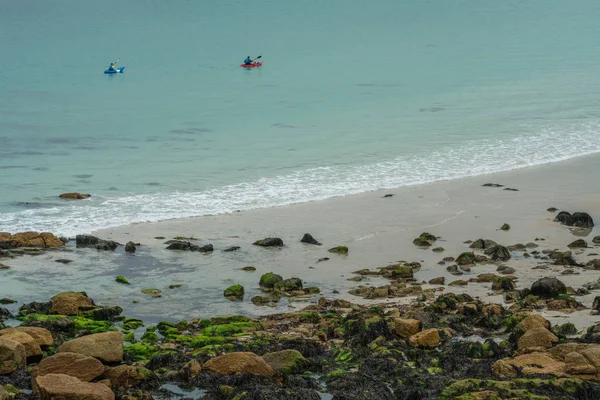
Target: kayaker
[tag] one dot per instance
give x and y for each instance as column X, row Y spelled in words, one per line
column 248, row 61
column 112, row 67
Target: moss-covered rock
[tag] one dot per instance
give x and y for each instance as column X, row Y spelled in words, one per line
column 466, row 258
column 234, row 292
column 288, row 285
column 339, row 250
column 152, row 292
column 122, row 279
column 287, row 361
column 131, row 324
column 269, row 242
column 269, row 280
column 231, row 329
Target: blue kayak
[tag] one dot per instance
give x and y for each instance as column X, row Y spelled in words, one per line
column 114, row 71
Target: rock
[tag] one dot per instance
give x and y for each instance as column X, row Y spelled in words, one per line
column 528, row 364
column 323, row 259
column 504, row 270
column 152, row 292
column 207, row 248
column 287, row 361
column 307, row 238
column 269, row 280
column 579, row 243
column 288, row 285
column 438, row 250
column 70, row 303
column 503, row 283
column 453, row 269
column 122, row 279
column 249, row 269
column 498, row 253
column 405, row 328
column 269, row 242
column 577, row 364
column 429, row 338
column 175, row 286
column 238, row 363
column 6, row 300
column 80, row 366
column 437, row 281
column 458, row 283
column 234, row 292
column 534, row 321
column 42, row 336
column 32, row 348
column 466, row 259
column 106, row 347
column 12, row 356
column 29, row 239
column 124, row 376
column 483, row 244
column 75, row 196
column 596, row 304
column 88, row 241
column 494, row 185
column 578, row 219
column 231, row 249
column 187, row 246
column 548, row 288
column 190, row 370
column 562, row 258
column 130, row 247
column 425, row 240
column 63, row 261
column 65, row 387
column 552, row 209
column 386, row 196
column 505, row 227
column 339, row 250
column 537, row 337
column 596, row 240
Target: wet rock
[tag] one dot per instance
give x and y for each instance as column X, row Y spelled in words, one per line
column 405, row 328
column 438, row 250
column 231, row 249
column 386, row 196
column 505, row 227
column 235, row 292
column 152, row 292
column 437, row 281
column 548, row 288
column 552, row 209
column 483, row 244
column 89, row 241
column 106, row 347
column 190, row 370
column 122, row 279
column 495, row 185
column 288, row 285
column 287, row 361
column 562, row 258
column 269, row 242
column 70, row 303
column 32, row 348
column 579, row 243
column 307, row 238
column 323, row 259
column 249, row 269
column 578, row 219
column 453, row 269
column 429, row 338
column 596, row 304
column 12, row 356
column 6, row 300
column 269, row 280
column 466, row 259
column 124, row 376
column 577, row 364
column 238, row 363
column 74, row 196
column 63, row 261
column 425, row 240
column 498, row 253
column 29, row 239
column 356, row 386
column 565, row 329
column 458, row 283
column 537, row 337
column 339, row 250
column 503, row 269
column 188, row 246
column 528, row 364
column 503, row 283
column 130, row 247
column 82, row 367
column 58, row 386
column 271, row 299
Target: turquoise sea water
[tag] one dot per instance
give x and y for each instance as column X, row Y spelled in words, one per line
column 353, row 96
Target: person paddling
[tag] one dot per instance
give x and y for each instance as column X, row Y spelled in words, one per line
column 112, row 66
column 248, row 61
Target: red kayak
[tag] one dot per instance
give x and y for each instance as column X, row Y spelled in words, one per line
column 253, row 65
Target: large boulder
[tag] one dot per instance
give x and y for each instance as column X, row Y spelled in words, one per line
column 288, row 285
column 70, row 303
column 498, row 253
column 537, row 337
column 406, row 328
column 238, row 363
column 269, row 280
column 32, row 349
column 106, row 347
column 42, row 336
column 288, row 361
column 74, row 196
column 483, row 244
column 12, row 356
column 65, row 387
column 429, row 338
column 535, row 363
column 307, row 238
column 548, row 288
column 80, row 366
column 30, row 239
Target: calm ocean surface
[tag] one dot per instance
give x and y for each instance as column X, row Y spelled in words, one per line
column 353, row 96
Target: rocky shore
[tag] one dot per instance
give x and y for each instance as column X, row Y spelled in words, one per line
column 439, row 345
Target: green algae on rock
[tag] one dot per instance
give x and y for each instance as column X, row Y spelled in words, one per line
column 152, row 292
column 234, row 292
column 122, row 279
column 339, row 250
column 269, row 280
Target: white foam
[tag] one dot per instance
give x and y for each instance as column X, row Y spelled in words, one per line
column 469, row 159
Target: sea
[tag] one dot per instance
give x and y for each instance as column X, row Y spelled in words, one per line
column 353, row 96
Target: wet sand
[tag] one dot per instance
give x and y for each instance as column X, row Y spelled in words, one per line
column 378, row 231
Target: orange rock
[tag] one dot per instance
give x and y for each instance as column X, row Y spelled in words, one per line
column 12, row 356
column 106, row 347
column 70, row 303
column 42, row 336
column 127, row 375
column 82, row 367
column 238, row 363
column 537, row 337
column 405, row 328
column 428, row 338
column 58, row 386
column 32, row 349
column 74, row 196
